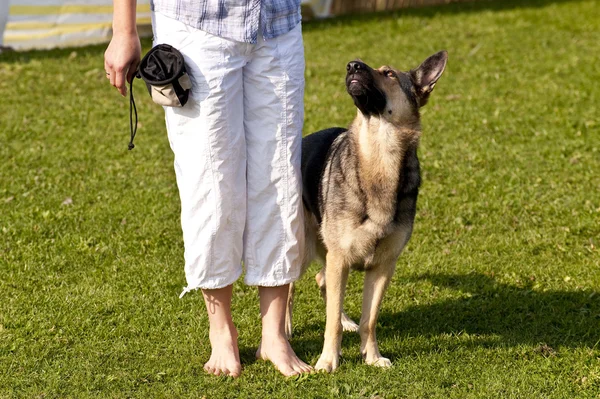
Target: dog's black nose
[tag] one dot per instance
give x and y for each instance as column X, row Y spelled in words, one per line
column 354, row 66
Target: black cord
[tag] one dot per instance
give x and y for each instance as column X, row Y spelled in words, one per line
column 132, row 109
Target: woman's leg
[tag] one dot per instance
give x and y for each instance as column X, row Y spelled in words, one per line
column 225, row 357
column 207, row 139
column 274, row 235
column 274, row 345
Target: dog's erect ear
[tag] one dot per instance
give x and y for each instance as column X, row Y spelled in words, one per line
column 427, row 74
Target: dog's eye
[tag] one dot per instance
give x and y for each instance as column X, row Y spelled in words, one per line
column 389, row 73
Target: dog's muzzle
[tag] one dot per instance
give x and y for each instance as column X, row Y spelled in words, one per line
column 355, row 66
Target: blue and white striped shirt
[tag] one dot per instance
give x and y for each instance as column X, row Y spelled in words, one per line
column 234, row 19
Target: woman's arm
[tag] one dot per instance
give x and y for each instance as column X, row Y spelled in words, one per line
column 122, row 56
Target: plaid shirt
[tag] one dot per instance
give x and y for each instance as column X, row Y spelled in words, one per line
column 234, row 19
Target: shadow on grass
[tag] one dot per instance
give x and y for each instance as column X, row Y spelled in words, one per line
column 432, row 11
column 501, row 314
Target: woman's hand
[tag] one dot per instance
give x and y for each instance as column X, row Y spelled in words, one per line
column 122, row 58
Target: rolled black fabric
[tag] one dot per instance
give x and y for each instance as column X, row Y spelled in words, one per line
column 163, row 71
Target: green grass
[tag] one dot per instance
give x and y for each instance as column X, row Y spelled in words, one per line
column 497, row 294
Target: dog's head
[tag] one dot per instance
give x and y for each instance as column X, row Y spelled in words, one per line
column 391, row 94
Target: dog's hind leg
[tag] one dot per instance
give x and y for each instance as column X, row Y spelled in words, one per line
column 347, row 323
column 336, row 275
column 289, row 310
column 376, row 282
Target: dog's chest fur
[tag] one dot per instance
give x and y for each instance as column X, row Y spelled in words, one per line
column 380, row 152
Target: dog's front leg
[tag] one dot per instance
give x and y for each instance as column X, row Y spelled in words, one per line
column 376, row 282
column 336, row 275
column 347, row 323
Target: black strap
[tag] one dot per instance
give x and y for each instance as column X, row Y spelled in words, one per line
column 132, row 109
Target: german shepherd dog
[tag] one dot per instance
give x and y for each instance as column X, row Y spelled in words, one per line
column 360, row 188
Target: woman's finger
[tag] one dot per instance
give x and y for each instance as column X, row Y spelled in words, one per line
column 106, row 69
column 132, row 70
column 120, row 80
column 111, row 76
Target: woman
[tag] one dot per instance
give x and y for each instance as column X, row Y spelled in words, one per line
column 237, row 149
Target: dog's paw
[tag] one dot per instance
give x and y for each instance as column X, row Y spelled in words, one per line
column 382, row 362
column 348, row 324
column 327, row 363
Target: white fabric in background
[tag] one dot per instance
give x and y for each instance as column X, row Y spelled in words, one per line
column 3, row 18
column 44, row 24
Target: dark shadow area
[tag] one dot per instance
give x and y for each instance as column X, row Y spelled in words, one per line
column 247, row 355
column 431, row 11
column 502, row 314
column 517, row 314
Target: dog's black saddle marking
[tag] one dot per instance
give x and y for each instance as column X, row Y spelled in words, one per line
column 408, row 189
column 315, row 150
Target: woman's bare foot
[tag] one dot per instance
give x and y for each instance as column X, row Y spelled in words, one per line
column 278, row 351
column 225, row 355
column 274, row 345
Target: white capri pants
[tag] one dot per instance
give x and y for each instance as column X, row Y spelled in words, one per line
column 237, row 146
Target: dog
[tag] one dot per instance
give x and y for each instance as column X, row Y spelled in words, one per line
column 360, row 188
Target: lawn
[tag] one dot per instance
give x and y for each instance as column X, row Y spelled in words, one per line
column 497, row 294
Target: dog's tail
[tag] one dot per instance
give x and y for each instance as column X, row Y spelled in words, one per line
column 311, row 239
